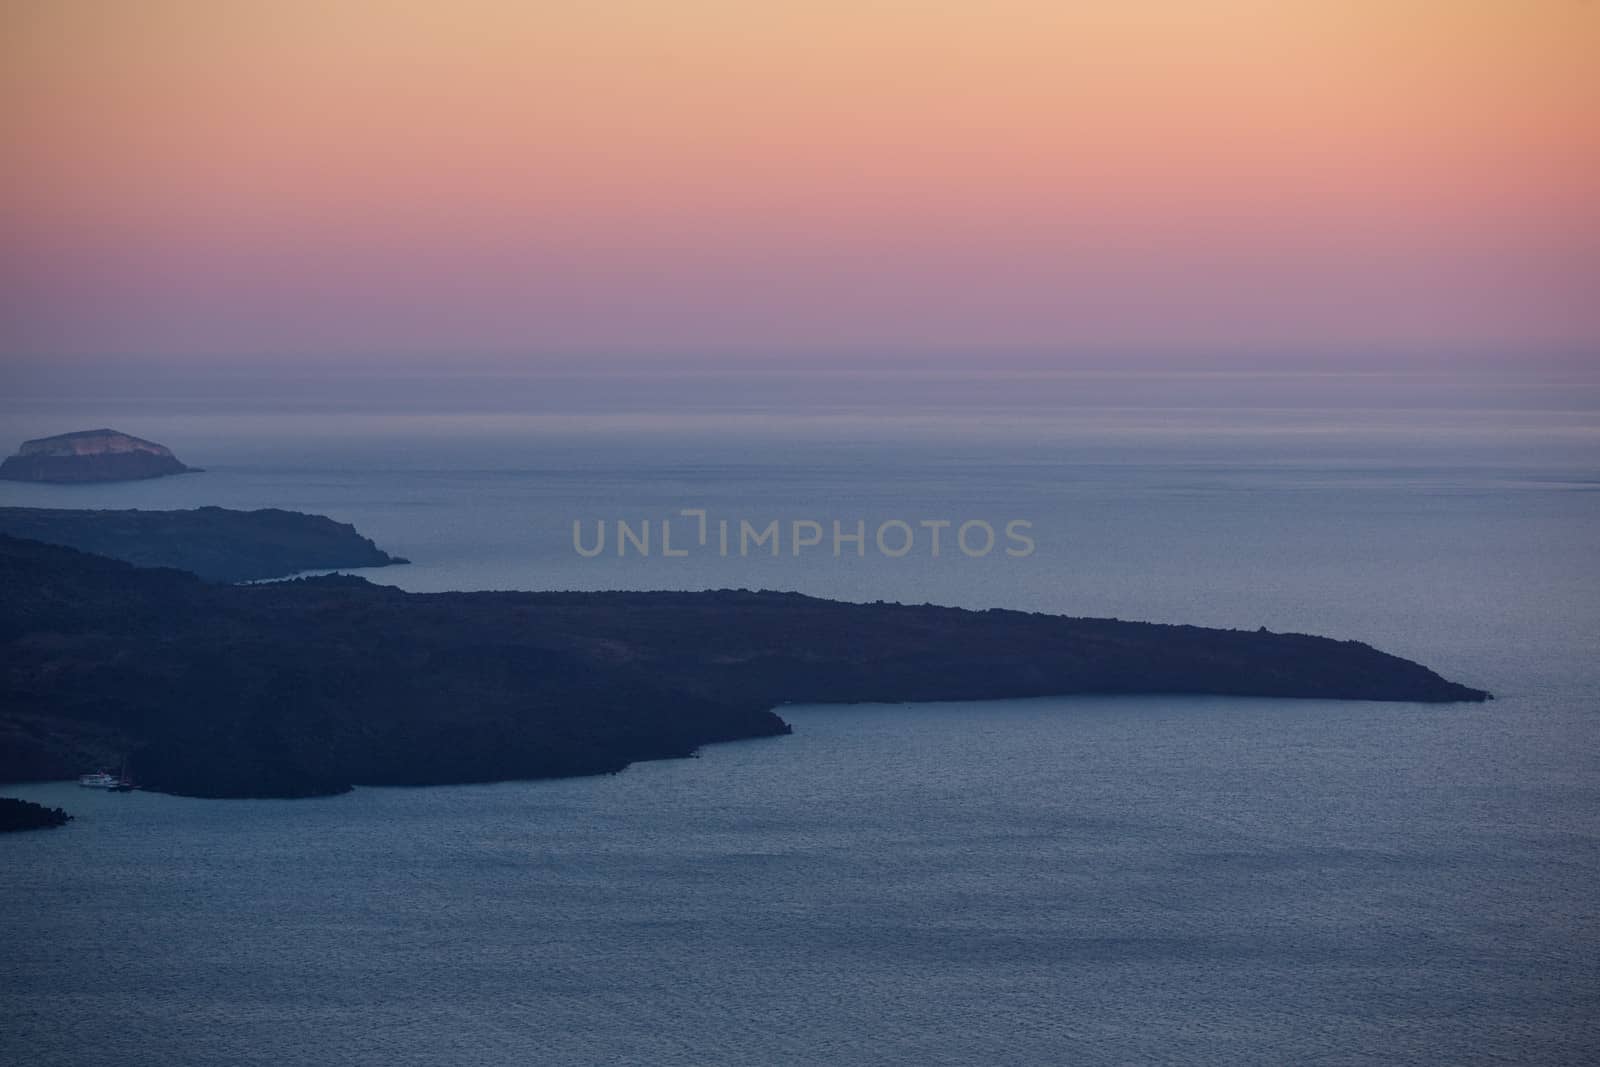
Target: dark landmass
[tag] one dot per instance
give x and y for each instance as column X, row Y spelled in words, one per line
column 310, row 686
column 26, row 815
column 218, row 544
column 91, row 456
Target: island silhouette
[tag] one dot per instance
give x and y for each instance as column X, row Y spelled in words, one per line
column 91, row 456
column 313, row 685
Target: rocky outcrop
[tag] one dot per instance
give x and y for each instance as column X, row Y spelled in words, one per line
column 310, row 686
column 26, row 815
column 90, row 456
column 218, row 544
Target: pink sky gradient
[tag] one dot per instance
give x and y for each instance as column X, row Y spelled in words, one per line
column 502, row 182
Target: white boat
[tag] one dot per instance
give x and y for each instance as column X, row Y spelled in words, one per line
column 99, row 780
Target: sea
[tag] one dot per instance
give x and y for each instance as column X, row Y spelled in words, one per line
column 1083, row 880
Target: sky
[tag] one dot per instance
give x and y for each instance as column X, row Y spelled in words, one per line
column 239, row 183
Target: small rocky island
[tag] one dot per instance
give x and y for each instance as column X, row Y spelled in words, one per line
column 218, row 544
column 310, row 686
column 91, row 456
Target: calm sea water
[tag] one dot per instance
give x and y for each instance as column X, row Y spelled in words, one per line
column 1077, row 880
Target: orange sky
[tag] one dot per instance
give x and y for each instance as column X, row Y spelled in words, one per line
column 228, row 178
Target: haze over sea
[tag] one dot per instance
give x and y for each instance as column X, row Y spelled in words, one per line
column 1089, row 880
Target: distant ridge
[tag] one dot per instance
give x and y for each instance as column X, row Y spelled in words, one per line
column 102, row 455
column 218, row 544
